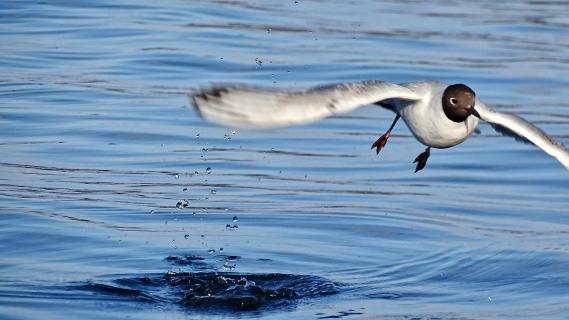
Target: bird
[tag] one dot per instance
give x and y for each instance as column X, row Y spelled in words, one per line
column 437, row 114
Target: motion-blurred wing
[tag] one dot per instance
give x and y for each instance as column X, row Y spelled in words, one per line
column 510, row 124
column 243, row 106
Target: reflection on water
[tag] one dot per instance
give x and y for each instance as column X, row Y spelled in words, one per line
column 106, row 170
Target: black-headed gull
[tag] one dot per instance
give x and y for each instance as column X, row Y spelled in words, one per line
column 438, row 115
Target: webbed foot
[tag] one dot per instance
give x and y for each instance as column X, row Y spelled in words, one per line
column 380, row 143
column 421, row 159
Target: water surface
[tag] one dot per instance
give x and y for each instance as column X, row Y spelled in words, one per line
column 118, row 201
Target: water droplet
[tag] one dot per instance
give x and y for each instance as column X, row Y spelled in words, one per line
column 235, row 219
column 197, row 135
column 211, row 251
column 182, row 204
column 227, row 136
column 187, row 236
column 228, row 266
column 220, row 249
column 269, row 30
column 259, row 62
column 213, row 191
column 152, row 211
column 208, row 170
column 231, row 227
column 185, row 189
column 176, row 176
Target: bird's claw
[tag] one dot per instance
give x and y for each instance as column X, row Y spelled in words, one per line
column 421, row 160
column 381, row 142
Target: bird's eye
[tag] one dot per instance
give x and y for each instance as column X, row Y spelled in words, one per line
column 453, row 101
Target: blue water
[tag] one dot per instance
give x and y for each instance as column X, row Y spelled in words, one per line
column 99, row 145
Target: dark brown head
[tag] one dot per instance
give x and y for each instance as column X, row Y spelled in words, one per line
column 458, row 102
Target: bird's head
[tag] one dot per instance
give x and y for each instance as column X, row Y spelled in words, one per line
column 458, row 102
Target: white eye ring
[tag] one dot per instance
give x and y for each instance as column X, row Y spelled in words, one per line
column 453, row 101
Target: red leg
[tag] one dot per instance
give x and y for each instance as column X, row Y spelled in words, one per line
column 380, row 143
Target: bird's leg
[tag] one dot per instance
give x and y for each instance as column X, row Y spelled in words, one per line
column 421, row 159
column 380, row 143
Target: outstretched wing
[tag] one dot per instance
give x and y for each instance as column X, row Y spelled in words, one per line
column 244, row 106
column 523, row 130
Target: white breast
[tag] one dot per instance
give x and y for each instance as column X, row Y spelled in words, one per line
column 427, row 121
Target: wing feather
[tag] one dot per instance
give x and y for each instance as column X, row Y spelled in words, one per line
column 244, row 106
column 523, row 130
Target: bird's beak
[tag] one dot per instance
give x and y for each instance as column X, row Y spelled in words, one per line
column 474, row 112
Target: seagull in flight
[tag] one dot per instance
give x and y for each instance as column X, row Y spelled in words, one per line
column 439, row 115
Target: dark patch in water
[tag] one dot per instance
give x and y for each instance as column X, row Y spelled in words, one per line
column 219, row 290
column 184, row 258
column 198, row 263
column 340, row 314
column 246, row 292
column 101, row 287
column 120, row 291
column 191, row 261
